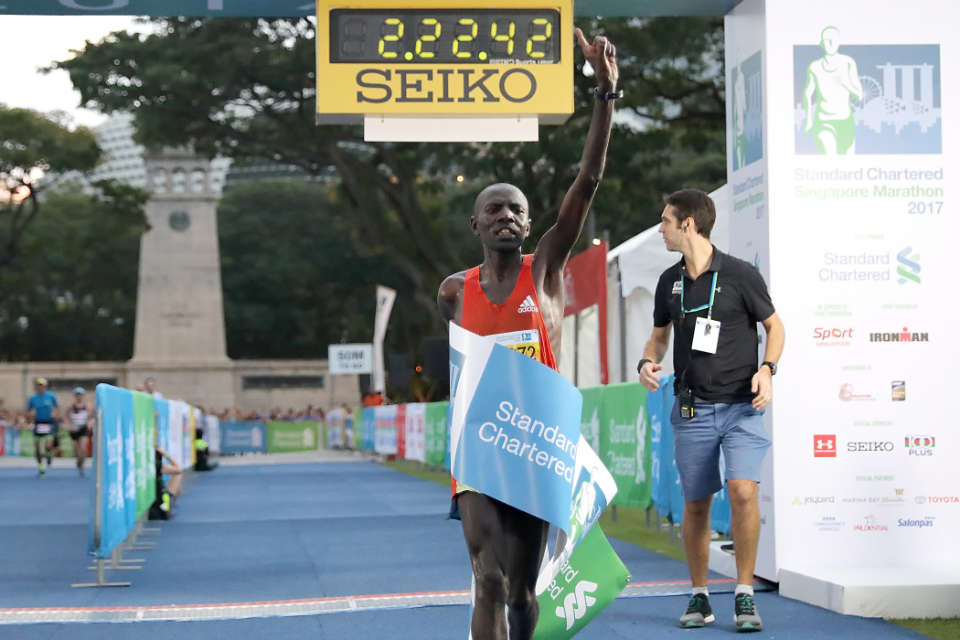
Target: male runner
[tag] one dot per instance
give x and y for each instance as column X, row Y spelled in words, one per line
column 833, row 80
column 511, row 292
column 81, row 426
column 43, row 412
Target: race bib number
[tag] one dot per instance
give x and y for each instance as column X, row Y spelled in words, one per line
column 41, row 428
column 526, row 342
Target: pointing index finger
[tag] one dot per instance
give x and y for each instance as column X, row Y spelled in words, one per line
column 582, row 41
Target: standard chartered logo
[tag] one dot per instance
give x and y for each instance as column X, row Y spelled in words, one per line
column 870, row 267
column 575, row 605
column 908, row 267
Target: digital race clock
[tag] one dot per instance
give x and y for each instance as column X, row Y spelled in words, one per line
column 445, row 58
column 479, row 36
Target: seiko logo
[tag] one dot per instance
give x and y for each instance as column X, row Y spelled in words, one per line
column 445, row 85
column 871, row 446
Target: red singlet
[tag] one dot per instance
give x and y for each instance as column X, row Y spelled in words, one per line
column 517, row 321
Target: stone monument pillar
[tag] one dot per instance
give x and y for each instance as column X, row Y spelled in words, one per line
column 180, row 338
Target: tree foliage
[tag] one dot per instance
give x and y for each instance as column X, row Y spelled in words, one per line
column 32, row 145
column 71, row 294
column 245, row 88
column 295, row 276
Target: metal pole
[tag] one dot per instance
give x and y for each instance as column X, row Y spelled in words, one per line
column 100, row 579
column 622, row 312
column 117, row 561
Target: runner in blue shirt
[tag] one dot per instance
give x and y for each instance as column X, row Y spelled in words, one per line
column 44, row 413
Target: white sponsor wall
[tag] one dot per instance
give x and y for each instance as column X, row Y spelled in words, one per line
column 858, row 153
column 748, row 192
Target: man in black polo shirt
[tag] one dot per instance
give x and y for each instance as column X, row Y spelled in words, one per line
column 713, row 302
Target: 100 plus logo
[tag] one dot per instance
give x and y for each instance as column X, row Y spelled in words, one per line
column 920, row 445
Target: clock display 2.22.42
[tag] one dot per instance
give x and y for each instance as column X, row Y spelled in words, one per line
column 445, row 36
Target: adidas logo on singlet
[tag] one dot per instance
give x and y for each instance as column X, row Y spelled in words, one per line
column 528, row 306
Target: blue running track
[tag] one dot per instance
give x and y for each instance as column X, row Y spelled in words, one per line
column 349, row 538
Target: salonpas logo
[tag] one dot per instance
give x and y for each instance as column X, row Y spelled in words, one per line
column 576, row 604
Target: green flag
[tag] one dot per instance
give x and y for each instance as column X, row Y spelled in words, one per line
column 435, row 434
column 584, row 586
column 358, row 429
column 625, row 442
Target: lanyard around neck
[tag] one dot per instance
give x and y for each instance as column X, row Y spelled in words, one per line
column 708, row 306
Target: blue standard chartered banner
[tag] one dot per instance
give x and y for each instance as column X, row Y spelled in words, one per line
column 514, row 427
column 515, row 436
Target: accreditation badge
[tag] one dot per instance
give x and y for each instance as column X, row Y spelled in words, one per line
column 526, row 342
column 705, row 335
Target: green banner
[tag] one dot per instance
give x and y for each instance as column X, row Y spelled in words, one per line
column 588, row 582
column 625, row 442
column 291, row 436
column 26, row 443
column 435, row 434
column 358, row 429
column 144, row 448
column 590, row 416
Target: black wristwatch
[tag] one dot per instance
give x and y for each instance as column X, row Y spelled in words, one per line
column 607, row 96
column 772, row 365
column 642, row 362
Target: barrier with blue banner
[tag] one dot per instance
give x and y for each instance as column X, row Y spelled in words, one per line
column 243, row 437
column 108, row 498
column 129, row 426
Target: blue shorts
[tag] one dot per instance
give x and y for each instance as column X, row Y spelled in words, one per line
column 736, row 428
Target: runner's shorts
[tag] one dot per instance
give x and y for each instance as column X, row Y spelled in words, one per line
column 736, row 429
column 79, row 433
column 42, row 429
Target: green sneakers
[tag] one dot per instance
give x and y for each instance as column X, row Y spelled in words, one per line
column 746, row 616
column 698, row 612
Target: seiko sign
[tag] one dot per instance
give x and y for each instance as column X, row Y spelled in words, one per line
column 874, row 446
column 517, row 85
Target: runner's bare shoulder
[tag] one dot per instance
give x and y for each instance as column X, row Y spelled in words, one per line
column 450, row 295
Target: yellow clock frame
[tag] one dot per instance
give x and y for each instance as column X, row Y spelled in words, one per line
column 346, row 91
